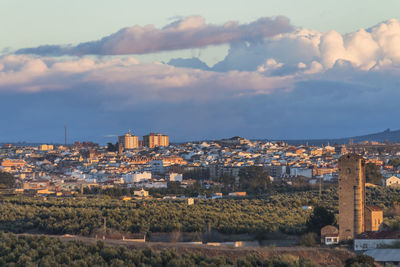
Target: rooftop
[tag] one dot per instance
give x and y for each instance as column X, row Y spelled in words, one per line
column 380, row 235
column 384, row 255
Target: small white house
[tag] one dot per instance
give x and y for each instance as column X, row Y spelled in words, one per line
column 190, row 201
column 137, row 177
column 329, row 235
column 175, row 177
column 141, row 193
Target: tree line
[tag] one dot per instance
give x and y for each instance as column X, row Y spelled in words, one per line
column 51, row 252
column 258, row 215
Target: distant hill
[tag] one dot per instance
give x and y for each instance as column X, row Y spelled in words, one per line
column 25, row 144
column 387, row 135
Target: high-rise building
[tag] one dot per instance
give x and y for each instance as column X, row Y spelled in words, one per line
column 351, row 196
column 155, row 139
column 128, row 141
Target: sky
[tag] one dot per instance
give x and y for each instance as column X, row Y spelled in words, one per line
column 197, row 70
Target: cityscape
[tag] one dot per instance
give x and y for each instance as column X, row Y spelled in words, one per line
column 208, row 133
column 209, row 174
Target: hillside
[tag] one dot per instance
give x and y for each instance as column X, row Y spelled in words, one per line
column 385, row 136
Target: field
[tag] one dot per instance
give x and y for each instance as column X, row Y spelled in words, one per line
column 80, row 216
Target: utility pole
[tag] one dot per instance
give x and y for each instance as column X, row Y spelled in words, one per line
column 65, row 135
column 104, row 228
column 320, row 187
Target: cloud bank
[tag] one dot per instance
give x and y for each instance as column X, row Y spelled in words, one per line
column 189, row 32
column 363, row 49
column 302, row 84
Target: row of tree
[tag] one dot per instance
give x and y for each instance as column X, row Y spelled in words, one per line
column 7, row 180
column 280, row 212
column 276, row 212
column 51, row 252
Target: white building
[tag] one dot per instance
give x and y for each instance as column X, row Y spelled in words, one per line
column 157, row 166
column 373, row 240
column 137, row 177
column 175, row 177
column 141, row 193
column 294, row 172
column 155, row 184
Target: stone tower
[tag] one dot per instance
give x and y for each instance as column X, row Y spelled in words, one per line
column 351, row 196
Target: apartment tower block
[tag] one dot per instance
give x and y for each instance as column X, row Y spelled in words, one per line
column 128, row 141
column 155, row 139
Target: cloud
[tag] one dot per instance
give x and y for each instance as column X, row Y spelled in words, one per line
column 364, row 49
column 135, row 81
column 302, row 84
column 185, row 33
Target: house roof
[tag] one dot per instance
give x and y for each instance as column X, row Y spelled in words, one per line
column 332, row 235
column 374, row 208
column 379, row 235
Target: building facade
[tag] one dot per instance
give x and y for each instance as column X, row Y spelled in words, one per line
column 329, row 235
column 373, row 218
column 351, row 196
column 128, row 141
column 175, row 177
column 155, row 139
column 373, row 240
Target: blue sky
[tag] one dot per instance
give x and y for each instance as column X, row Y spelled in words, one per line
column 31, row 23
column 309, row 74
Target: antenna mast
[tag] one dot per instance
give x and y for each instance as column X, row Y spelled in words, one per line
column 65, row 135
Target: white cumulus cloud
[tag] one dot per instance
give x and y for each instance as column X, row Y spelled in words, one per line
column 364, row 49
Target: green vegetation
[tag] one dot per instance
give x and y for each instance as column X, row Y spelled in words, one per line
column 309, row 239
column 196, row 174
column 254, row 180
column 361, row 260
column 395, row 162
column 228, row 182
column 277, row 212
column 174, row 188
column 372, row 174
column 112, row 147
column 7, row 180
column 51, row 252
column 85, row 216
column 320, row 217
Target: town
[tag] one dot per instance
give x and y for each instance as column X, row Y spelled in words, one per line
column 339, row 195
column 155, row 163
